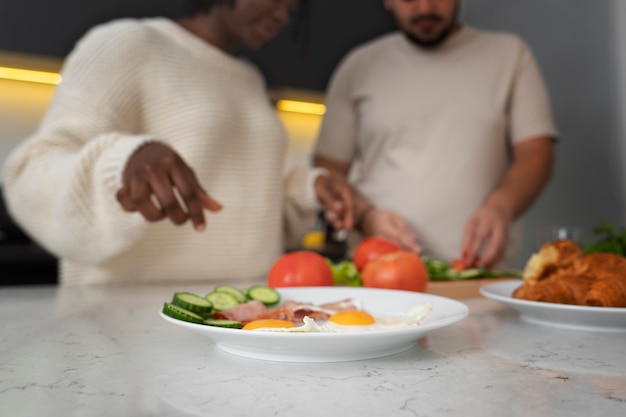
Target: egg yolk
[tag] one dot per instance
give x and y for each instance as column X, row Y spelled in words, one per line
column 352, row 318
column 265, row 323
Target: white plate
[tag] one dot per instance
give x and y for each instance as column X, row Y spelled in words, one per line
column 336, row 347
column 558, row 315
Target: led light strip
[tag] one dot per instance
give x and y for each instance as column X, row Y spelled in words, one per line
column 301, row 107
column 18, row 74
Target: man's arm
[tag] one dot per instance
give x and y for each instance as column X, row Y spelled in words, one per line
column 522, row 183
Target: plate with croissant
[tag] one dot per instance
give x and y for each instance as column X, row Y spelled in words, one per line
column 564, row 287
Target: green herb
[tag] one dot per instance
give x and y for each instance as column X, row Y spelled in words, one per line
column 608, row 240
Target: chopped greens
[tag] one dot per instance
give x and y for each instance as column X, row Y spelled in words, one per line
column 442, row 271
column 345, row 272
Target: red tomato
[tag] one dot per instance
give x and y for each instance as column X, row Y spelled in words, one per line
column 458, row 264
column 300, row 269
column 461, row 264
column 400, row 270
column 371, row 248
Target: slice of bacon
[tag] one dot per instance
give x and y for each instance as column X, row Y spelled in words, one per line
column 276, row 314
column 329, row 308
column 318, row 316
column 291, row 310
column 319, row 313
column 341, row 305
column 242, row 312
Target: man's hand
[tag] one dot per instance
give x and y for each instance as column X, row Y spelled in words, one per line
column 389, row 225
column 486, row 237
column 335, row 195
column 159, row 184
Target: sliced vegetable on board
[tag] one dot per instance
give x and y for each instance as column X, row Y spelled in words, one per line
column 443, row 271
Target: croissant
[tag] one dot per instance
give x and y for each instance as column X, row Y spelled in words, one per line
column 560, row 272
column 562, row 288
column 551, row 257
column 608, row 290
column 598, row 261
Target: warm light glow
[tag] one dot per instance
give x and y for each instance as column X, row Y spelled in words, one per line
column 18, row 74
column 301, row 107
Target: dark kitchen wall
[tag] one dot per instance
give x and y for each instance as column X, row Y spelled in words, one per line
column 50, row 28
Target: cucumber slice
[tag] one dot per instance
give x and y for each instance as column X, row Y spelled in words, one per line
column 193, row 303
column 473, row 273
column 239, row 295
column 221, row 300
column 180, row 313
column 230, row 324
column 264, row 294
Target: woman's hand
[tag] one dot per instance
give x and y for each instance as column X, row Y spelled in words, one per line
column 389, row 225
column 159, row 184
column 336, row 197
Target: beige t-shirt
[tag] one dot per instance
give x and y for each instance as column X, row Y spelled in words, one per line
column 431, row 130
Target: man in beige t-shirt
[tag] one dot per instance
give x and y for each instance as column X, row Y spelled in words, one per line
column 450, row 129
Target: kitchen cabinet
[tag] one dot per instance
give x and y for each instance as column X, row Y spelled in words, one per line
column 22, row 261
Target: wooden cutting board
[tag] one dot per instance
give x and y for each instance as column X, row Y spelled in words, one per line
column 461, row 289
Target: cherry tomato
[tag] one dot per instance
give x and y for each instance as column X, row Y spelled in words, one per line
column 371, row 248
column 400, row 270
column 458, row 264
column 300, row 269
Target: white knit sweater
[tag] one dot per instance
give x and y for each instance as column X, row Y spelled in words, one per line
column 132, row 81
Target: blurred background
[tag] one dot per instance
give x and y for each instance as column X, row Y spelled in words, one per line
column 580, row 46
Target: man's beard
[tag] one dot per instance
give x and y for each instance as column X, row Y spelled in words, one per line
column 436, row 41
column 432, row 42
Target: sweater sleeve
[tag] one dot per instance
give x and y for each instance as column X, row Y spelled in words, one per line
column 299, row 188
column 60, row 183
column 301, row 204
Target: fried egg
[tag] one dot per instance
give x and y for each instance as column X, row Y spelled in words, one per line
column 269, row 324
column 346, row 321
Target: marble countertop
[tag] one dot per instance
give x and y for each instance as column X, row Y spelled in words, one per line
column 104, row 351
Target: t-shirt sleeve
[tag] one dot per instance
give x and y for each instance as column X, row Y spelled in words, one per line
column 337, row 138
column 530, row 112
column 60, row 183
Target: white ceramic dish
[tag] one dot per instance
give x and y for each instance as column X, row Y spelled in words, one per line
column 558, row 315
column 336, row 347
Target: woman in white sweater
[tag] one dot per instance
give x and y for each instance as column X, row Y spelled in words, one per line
column 150, row 114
